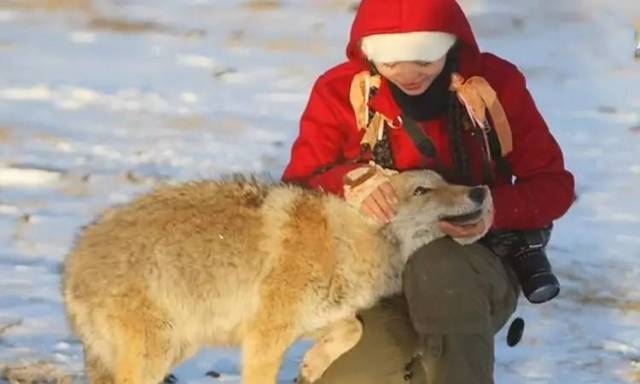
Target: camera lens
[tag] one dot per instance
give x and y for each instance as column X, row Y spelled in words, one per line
column 524, row 251
column 541, row 288
column 538, row 283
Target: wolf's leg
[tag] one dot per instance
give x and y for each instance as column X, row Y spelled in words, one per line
column 129, row 358
column 381, row 356
column 97, row 372
column 336, row 339
column 143, row 352
column 263, row 347
column 262, row 353
column 142, row 358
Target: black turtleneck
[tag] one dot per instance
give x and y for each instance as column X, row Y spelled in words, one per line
column 431, row 103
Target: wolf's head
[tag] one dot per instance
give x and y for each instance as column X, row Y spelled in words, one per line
column 425, row 199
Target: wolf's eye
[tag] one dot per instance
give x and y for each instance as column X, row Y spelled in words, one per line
column 421, row 191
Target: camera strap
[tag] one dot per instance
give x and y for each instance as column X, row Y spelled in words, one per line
column 502, row 165
column 419, row 138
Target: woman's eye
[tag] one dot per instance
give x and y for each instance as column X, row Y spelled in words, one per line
column 423, row 63
column 388, row 65
column 421, row 191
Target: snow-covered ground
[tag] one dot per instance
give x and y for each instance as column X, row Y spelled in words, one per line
column 100, row 101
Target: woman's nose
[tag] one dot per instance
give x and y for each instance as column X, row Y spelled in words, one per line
column 407, row 72
column 409, row 77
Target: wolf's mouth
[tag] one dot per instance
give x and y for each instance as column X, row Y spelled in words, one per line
column 467, row 218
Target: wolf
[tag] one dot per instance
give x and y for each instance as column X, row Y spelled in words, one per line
column 244, row 263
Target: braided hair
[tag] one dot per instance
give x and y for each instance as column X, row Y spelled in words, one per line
column 458, row 120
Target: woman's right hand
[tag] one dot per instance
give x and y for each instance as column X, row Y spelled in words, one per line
column 381, row 203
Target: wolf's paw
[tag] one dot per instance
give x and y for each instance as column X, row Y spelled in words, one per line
column 315, row 362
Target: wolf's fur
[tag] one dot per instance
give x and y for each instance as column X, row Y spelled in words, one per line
column 241, row 263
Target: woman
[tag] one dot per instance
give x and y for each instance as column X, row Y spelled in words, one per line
column 416, row 92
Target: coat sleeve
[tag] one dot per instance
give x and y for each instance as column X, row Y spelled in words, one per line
column 543, row 189
column 316, row 156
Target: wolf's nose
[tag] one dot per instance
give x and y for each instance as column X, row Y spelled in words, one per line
column 478, row 194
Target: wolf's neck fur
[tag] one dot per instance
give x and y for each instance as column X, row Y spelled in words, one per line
column 413, row 233
column 367, row 249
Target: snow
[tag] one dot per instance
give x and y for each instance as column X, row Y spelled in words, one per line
column 100, row 103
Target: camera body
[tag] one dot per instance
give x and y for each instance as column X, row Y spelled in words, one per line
column 524, row 252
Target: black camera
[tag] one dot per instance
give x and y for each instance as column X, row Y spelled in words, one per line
column 524, row 251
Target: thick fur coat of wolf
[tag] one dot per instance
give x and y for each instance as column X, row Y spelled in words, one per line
column 243, row 263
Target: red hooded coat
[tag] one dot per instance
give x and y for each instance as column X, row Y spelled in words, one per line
column 329, row 139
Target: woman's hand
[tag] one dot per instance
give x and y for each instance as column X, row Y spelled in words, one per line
column 368, row 189
column 381, row 203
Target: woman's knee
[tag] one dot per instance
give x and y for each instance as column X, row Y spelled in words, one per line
column 445, row 291
column 442, row 256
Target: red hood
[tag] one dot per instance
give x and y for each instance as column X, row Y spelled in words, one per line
column 397, row 16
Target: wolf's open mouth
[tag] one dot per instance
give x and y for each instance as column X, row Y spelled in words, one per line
column 467, row 218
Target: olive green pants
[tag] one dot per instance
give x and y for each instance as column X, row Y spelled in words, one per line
column 442, row 330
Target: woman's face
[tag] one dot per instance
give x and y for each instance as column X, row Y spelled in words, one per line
column 412, row 77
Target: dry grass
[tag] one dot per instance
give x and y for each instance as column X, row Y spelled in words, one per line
column 4, row 327
column 592, row 296
column 290, row 45
column 122, row 25
column 68, row 4
column 96, row 20
column 340, row 5
column 637, row 35
column 38, row 372
column 76, row 186
column 6, row 135
column 263, row 5
column 189, row 123
column 634, row 375
column 125, row 26
column 49, row 5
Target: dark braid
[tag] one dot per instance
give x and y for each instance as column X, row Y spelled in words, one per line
column 457, row 116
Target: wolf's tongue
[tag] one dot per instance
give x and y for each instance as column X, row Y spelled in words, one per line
column 468, row 218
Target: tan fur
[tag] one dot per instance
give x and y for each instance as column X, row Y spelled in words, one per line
column 240, row 263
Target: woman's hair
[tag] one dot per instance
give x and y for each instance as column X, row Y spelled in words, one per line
column 457, row 121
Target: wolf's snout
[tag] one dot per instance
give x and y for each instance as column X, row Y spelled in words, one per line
column 478, row 194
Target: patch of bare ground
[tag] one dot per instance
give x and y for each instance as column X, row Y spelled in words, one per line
column 38, row 372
